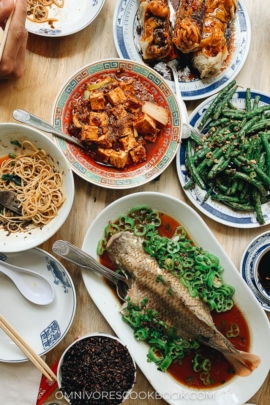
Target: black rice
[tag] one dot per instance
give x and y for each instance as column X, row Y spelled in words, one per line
column 97, row 370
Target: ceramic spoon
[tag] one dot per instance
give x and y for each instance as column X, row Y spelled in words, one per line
column 31, row 285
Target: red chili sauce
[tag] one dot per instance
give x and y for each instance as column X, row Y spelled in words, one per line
column 221, row 370
column 3, row 159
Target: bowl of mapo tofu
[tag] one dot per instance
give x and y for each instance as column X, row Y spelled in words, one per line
column 127, row 119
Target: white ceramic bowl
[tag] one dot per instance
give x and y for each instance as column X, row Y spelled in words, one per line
column 61, row 361
column 239, row 389
column 20, row 241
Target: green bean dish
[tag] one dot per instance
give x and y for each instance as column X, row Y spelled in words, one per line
column 231, row 162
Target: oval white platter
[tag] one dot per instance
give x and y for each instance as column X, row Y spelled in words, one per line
column 217, row 211
column 124, row 31
column 73, row 17
column 41, row 326
column 238, row 390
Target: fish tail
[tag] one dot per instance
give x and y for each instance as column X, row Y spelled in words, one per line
column 242, row 362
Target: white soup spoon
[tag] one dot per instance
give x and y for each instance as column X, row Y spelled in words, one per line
column 31, row 284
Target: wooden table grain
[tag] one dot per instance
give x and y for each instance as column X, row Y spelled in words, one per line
column 49, row 63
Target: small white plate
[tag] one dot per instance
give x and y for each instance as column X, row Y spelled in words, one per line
column 213, row 209
column 239, row 389
column 124, row 31
column 73, row 17
column 42, row 327
column 248, row 262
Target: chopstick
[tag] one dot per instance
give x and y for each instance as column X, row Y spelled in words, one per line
column 4, row 38
column 27, row 350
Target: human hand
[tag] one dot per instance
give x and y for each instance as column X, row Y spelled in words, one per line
column 12, row 62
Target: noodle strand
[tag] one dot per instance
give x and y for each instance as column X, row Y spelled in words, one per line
column 40, row 193
column 37, row 10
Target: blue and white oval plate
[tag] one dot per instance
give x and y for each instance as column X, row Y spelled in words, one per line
column 248, row 262
column 42, row 327
column 217, row 211
column 125, row 38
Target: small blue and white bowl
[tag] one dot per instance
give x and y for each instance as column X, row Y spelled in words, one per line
column 249, row 265
column 260, row 286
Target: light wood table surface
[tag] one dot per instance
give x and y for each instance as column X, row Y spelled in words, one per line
column 49, row 63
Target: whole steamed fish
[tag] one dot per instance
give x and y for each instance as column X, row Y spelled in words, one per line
column 191, row 316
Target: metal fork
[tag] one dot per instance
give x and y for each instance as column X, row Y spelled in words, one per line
column 187, row 128
column 9, row 200
column 77, row 256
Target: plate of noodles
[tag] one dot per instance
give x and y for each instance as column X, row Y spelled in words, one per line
column 131, row 42
column 34, row 168
column 57, row 18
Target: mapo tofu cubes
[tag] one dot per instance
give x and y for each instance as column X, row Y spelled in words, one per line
column 116, row 129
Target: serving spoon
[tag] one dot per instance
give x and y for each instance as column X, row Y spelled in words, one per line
column 187, row 128
column 77, row 256
column 32, row 285
column 33, row 121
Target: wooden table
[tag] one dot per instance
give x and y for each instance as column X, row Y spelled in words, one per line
column 49, row 63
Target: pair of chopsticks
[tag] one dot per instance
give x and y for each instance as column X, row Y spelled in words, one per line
column 27, row 350
column 4, row 38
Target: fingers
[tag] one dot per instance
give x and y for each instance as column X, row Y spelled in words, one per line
column 12, row 63
column 6, row 7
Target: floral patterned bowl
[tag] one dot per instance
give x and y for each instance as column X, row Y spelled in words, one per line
column 163, row 150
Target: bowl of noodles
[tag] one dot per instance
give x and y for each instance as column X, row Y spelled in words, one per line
column 32, row 167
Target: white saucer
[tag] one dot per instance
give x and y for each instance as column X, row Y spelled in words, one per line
column 247, row 266
column 42, row 327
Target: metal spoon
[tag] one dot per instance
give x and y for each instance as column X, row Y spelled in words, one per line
column 33, row 121
column 187, row 128
column 31, row 284
column 82, row 259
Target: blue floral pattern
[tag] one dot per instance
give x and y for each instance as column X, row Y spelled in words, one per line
column 50, row 335
column 60, row 276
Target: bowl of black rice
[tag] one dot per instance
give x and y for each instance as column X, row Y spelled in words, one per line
column 96, row 369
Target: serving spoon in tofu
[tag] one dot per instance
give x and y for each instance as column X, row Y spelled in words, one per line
column 33, row 121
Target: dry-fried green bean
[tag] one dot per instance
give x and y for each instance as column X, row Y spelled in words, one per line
column 237, row 114
column 258, row 110
column 260, row 125
column 219, row 122
column 221, row 197
column 235, row 206
column 267, row 150
column 234, row 159
column 258, row 206
column 254, row 182
column 223, row 103
column 256, row 102
column 263, row 176
column 218, row 167
column 246, row 127
column 214, row 103
column 248, row 100
column 196, row 139
column 192, row 168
